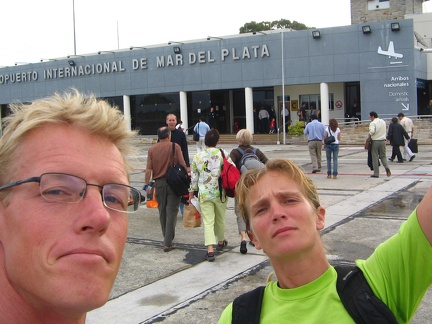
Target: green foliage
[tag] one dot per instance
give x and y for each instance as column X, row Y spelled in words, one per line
column 296, row 129
column 253, row 26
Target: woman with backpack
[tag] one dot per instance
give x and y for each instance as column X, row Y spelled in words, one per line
column 245, row 157
column 284, row 218
column 205, row 173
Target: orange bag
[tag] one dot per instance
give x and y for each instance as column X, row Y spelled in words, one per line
column 153, row 202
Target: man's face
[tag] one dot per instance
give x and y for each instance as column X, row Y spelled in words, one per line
column 171, row 121
column 283, row 221
column 63, row 256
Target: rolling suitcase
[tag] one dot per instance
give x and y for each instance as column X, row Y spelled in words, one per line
column 413, row 145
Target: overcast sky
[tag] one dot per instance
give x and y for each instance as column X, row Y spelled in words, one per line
column 44, row 29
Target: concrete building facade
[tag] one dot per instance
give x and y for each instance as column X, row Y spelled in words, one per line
column 342, row 71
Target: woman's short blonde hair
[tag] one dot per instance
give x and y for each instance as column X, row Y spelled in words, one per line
column 283, row 166
column 70, row 109
column 244, row 137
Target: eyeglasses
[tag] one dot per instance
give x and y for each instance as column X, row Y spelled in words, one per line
column 67, row 188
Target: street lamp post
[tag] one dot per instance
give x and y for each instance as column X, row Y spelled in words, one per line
column 73, row 11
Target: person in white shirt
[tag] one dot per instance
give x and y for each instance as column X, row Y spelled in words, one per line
column 377, row 131
column 408, row 125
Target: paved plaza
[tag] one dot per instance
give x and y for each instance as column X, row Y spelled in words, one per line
column 181, row 287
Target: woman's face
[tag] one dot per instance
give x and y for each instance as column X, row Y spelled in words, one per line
column 283, row 221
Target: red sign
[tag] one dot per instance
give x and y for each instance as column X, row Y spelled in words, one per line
column 339, row 104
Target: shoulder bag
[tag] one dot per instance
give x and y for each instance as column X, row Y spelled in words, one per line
column 177, row 177
column 195, row 135
column 329, row 139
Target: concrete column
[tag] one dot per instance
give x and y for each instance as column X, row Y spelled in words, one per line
column 231, row 110
column 183, row 109
column 126, row 111
column 249, row 109
column 325, row 110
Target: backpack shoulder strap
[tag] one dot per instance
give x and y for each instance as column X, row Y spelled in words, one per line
column 223, row 155
column 247, row 307
column 358, row 298
column 240, row 150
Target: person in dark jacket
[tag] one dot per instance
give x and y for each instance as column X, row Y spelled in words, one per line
column 396, row 134
column 244, row 139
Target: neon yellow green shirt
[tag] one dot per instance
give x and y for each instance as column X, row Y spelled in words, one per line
column 396, row 271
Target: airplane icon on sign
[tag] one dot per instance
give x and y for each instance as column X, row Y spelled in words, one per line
column 390, row 51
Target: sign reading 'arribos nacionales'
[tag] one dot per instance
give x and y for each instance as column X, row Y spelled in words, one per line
column 163, row 61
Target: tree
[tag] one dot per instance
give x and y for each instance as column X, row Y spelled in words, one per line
column 253, row 26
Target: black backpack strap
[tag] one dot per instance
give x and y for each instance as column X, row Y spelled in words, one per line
column 358, row 298
column 246, row 308
column 220, row 181
column 173, row 151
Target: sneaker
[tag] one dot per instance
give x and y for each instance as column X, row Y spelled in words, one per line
column 374, row 176
column 390, row 159
column 388, row 172
column 243, row 248
column 210, row 256
column 220, row 246
column 412, row 158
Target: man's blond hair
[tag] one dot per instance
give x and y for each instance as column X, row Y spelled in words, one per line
column 70, row 109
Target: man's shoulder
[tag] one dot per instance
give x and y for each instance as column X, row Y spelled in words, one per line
column 177, row 134
column 160, row 145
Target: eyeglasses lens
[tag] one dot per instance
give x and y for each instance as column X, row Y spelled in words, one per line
column 62, row 187
column 58, row 187
column 121, row 197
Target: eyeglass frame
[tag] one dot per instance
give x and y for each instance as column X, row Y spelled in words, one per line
column 38, row 179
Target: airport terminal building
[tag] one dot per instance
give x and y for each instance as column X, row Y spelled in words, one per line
column 344, row 71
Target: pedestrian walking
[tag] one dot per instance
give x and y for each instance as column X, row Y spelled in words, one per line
column 244, row 139
column 333, row 148
column 315, row 131
column 201, row 128
column 178, row 136
column 397, row 136
column 408, row 125
column 159, row 160
column 377, row 131
column 205, row 172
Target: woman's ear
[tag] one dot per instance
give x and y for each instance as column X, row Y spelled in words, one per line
column 320, row 224
column 254, row 240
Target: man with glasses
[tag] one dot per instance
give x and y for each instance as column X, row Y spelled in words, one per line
column 64, row 199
